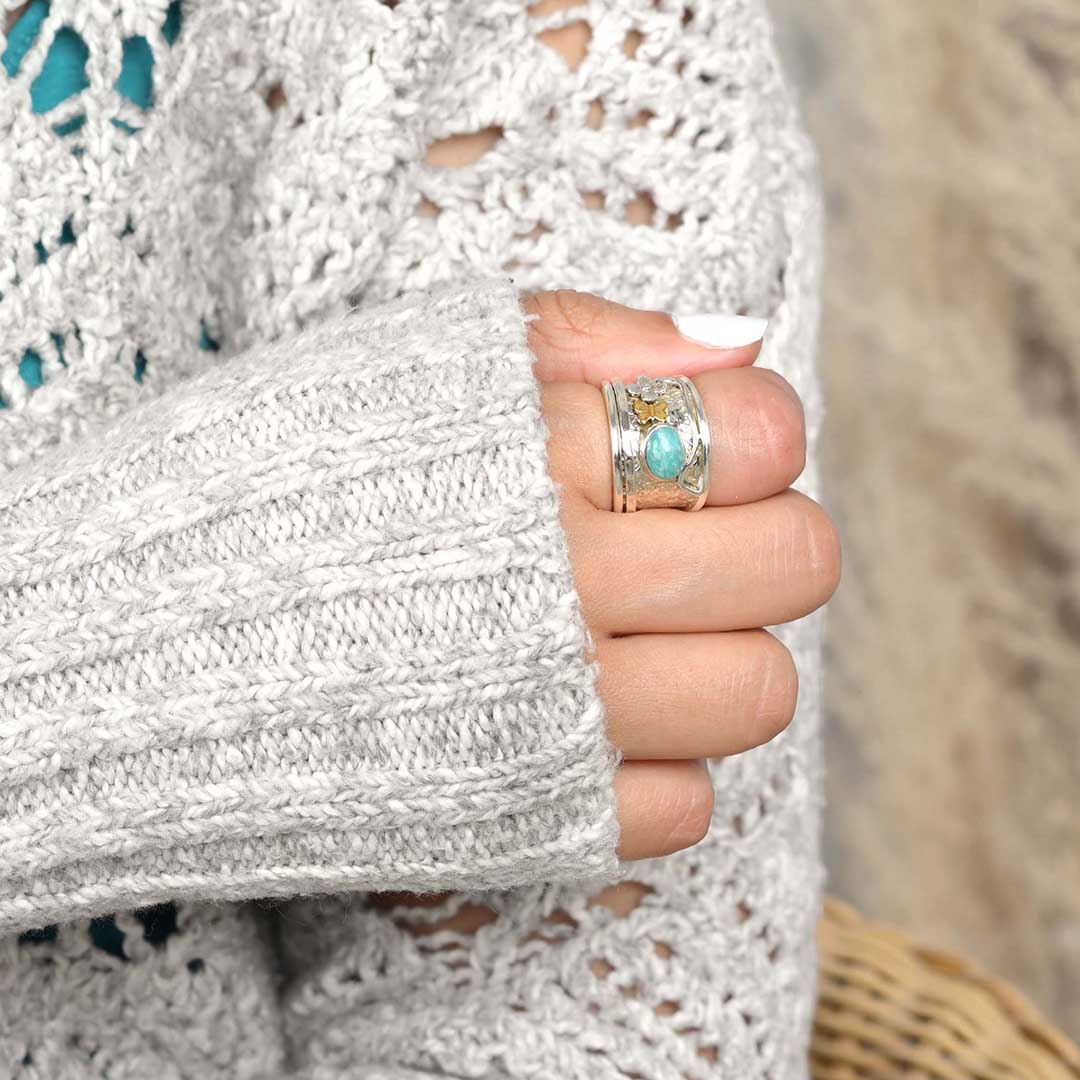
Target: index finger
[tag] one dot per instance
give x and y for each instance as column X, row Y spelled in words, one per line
column 579, row 337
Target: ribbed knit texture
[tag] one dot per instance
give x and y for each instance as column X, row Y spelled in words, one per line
column 266, row 563
column 309, row 618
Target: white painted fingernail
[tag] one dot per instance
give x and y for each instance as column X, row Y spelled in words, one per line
column 720, row 331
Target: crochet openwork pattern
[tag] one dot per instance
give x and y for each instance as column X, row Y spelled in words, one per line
column 222, row 174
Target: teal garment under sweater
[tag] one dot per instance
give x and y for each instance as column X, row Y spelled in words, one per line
column 64, row 72
column 63, row 76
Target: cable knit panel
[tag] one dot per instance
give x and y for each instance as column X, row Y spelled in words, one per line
column 305, row 624
column 280, row 164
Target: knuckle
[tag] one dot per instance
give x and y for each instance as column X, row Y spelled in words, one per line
column 818, row 550
column 567, row 326
column 826, row 556
column 779, row 689
column 580, row 313
column 779, row 425
column 574, row 317
column 591, row 567
column 718, row 547
column 574, row 421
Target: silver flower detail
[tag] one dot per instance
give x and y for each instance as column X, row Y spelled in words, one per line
column 647, row 389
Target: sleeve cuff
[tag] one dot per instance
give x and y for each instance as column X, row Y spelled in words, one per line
column 306, row 625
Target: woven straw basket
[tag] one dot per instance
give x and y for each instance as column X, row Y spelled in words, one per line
column 890, row 1008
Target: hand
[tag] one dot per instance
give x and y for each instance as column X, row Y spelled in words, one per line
column 675, row 601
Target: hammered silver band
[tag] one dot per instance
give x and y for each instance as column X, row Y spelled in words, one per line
column 659, row 444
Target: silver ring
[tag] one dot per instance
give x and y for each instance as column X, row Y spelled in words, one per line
column 659, row 444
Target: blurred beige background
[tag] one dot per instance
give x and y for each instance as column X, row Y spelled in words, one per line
column 950, row 140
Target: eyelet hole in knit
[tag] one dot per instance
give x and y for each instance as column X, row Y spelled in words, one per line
column 571, row 42
column 467, row 920
column 558, row 926
column 641, row 209
column 622, row 899
column 63, row 73
column 159, row 923
column 136, row 80
column 552, row 7
column 30, row 369
column 37, row 365
column 276, row 98
column 207, row 341
column 108, row 937
column 47, row 247
column 427, row 209
column 13, row 16
column 461, row 150
column 43, row 936
column 62, row 77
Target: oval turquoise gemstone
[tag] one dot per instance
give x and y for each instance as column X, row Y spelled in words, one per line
column 664, row 452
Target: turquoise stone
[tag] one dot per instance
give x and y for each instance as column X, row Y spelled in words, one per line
column 664, row 452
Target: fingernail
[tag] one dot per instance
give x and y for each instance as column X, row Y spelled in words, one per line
column 720, row 331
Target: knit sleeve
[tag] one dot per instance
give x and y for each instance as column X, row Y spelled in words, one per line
column 307, row 624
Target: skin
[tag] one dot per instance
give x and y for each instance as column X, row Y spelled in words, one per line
column 664, row 589
column 758, row 554
column 703, row 584
column 658, row 739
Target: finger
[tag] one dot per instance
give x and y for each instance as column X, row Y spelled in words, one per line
column 723, row 568
column 721, row 693
column 578, row 337
column 663, row 806
column 756, row 425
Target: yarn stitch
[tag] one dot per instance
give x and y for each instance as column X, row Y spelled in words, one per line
column 286, row 607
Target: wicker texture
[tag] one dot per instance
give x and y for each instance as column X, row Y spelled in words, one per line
column 892, row 1008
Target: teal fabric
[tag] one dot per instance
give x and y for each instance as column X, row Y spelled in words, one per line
column 22, row 35
column 63, row 76
column 136, row 80
column 174, row 19
column 30, row 368
column 206, row 342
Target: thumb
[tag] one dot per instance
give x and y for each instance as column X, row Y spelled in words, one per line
column 579, row 337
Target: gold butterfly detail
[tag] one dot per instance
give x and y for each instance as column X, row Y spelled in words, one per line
column 650, row 410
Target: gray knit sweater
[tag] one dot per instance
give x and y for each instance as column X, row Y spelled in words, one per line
column 286, row 613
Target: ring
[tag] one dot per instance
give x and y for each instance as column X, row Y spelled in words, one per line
column 659, row 444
